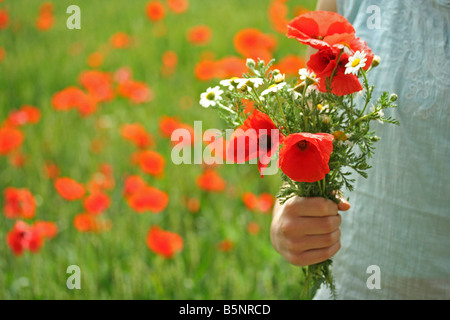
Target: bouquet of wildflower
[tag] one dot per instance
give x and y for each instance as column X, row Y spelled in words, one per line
column 312, row 128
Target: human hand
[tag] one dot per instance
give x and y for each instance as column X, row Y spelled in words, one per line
column 306, row 231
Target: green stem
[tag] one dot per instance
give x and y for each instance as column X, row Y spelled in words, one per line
column 282, row 113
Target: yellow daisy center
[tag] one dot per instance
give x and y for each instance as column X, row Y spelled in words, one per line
column 356, row 62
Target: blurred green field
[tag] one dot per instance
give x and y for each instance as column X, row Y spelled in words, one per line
column 117, row 264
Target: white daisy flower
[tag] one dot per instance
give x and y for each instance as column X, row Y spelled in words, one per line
column 210, row 97
column 273, row 88
column 308, row 76
column 230, row 83
column 250, row 82
column 355, row 62
column 344, row 47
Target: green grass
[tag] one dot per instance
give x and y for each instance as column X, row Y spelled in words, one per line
column 117, row 264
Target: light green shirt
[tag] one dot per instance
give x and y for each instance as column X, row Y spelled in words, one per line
column 400, row 215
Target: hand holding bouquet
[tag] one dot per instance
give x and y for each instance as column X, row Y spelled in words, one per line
column 316, row 129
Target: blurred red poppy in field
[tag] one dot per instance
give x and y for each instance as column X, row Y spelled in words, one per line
column 102, row 180
column 17, row 159
column 253, row 228
column 164, row 243
column 73, row 97
column 24, row 237
column 50, row 170
column 136, row 133
column 304, row 156
column 150, row 162
column 278, row 15
column 225, row 245
column 69, row 189
column 96, row 203
column 155, row 11
column 46, row 229
column 321, row 29
column 46, row 19
column 25, row 115
column 178, row 6
column 10, row 139
column 199, row 35
column 193, row 205
column 148, row 198
column 167, row 125
column 120, row 40
column 262, row 203
column 2, row 53
column 290, row 65
column 132, row 184
column 95, row 59
column 19, row 203
column 85, row 222
column 211, row 181
column 123, row 74
column 206, row 70
column 98, row 84
column 252, row 43
column 137, row 92
column 4, row 19
column 231, row 67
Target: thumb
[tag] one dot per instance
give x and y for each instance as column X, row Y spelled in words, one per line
column 343, row 205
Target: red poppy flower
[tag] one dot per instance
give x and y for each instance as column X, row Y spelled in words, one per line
column 304, row 156
column 278, row 12
column 102, row 180
column 148, row 198
column 19, row 203
column 324, row 62
column 133, row 184
column 206, row 70
column 69, row 189
column 255, row 139
column 170, row 59
column 253, row 227
column 25, row 115
column 164, row 243
column 225, row 245
column 137, row 134
column 46, row 229
column 50, row 170
column 98, row 84
column 252, row 43
column 10, row 139
column 265, row 202
column 155, row 11
column 193, row 205
column 262, row 203
column 45, row 21
column 73, row 97
column 290, row 65
column 4, row 19
column 24, row 237
column 178, row 6
column 120, row 40
column 137, row 92
column 228, row 67
column 85, row 222
column 321, row 29
column 210, row 181
column 199, row 35
column 150, row 162
column 167, row 125
column 96, row 203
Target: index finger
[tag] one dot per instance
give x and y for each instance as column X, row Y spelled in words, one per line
column 310, row 207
